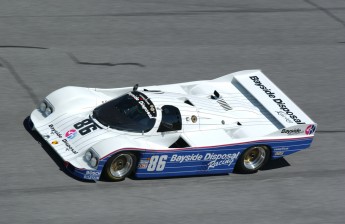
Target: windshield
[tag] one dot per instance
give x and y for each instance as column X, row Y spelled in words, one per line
column 132, row 112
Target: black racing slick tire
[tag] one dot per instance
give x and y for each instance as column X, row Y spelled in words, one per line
column 120, row 166
column 253, row 159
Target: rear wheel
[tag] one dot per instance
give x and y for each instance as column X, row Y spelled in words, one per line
column 120, row 166
column 252, row 159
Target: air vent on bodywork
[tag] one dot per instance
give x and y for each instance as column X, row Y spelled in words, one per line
column 180, row 143
column 188, row 102
column 224, row 104
column 153, row 91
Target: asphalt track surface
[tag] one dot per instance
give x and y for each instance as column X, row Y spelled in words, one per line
column 299, row 44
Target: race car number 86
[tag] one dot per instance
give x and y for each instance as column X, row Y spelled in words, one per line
column 85, row 126
column 157, row 163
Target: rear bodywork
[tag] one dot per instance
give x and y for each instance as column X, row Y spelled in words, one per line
column 220, row 118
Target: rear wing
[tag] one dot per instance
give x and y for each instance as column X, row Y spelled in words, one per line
column 272, row 98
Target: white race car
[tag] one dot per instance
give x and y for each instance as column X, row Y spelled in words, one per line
column 236, row 122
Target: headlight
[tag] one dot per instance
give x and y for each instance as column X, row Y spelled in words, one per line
column 88, row 156
column 93, row 161
column 46, row 108
column 43, row 107
column 48, row 111
column 91, row 157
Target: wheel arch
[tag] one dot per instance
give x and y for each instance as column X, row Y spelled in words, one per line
column 265, row 145
column 239, row 169
column 109, row 158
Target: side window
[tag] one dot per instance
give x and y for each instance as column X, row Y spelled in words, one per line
column 171, row 119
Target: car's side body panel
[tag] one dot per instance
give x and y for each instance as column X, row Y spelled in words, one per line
column 219, row 159
column 195, row 161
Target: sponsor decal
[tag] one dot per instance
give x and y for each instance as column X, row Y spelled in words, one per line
column 264, row 88
column 284, row 115
column 92, row 175
column 186, row 158
column 71, row 134
column 142, row 97
column 69, row 147
column 143, row 164
column 134, row 96
column 220, row 159
column 54, row 131
column 283, row 107
column 214, row 156
column 279, row 102
column 90, row 172
column 279, row 153
column 55, row 142
column 142, row 104
column 310, row 129
column 281, row 149
column 295, row 131
column 145, row 103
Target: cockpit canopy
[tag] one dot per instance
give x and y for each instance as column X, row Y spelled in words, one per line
column 133, row 112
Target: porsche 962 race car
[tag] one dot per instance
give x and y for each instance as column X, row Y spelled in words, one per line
column 236, row 122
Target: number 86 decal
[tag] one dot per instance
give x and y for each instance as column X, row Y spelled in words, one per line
column 157, row 163
column 86, row 126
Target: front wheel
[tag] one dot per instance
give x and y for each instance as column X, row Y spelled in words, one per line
column 120, row 166
column 252, row 159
